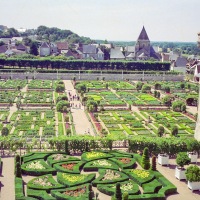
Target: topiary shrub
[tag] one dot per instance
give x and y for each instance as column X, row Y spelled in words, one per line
column 166, row 100
column 177, row 105
column 118, row 193
column 60, row 88
column 153, row 163
column 18, row 172
column 146, row 88
column 145, row 162
column 161, row 131
column 182, row 159
column 61, row 104
column 193, row 173
column 139, row 85
column 4, row 131
column 61, row 97
column 157, row 86
column 174, row 130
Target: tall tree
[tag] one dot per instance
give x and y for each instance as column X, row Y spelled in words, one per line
column 34, row 48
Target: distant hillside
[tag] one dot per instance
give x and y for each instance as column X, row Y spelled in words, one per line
column 45, row 33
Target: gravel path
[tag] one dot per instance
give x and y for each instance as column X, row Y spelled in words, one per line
column 81, row 122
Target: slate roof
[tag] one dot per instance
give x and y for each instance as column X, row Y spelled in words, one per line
column 44, row 45
column 21, row 47
column 62, row 45
column 3, row 49
column 143, row 35
column 181, row 62
column 69, row 53
column 99, row 51
column 116, row 54
column 89, row 49
column 131, row 55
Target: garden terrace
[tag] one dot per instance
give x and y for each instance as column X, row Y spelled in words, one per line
column 33, row 123
column 12, row 84
column 124, row 122
column 121, row 85
column 168, row 119
column 75, row 185
column 8, row 97
column 37, row 98
column 106, row 98
column 41, row 84
column 138, row 98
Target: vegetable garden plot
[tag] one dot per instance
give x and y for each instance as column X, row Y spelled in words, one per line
column 8, row 97
column 168, row 119
column 12, row 84
column 137, row 98
column 33, row 123
column 41, row 84
column 41, row 97
column 124, row 122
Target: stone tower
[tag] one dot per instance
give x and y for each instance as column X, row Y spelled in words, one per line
column 143, row 44
column 197, row 129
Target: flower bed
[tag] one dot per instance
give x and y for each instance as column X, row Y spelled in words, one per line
column 45, row 182
column 73, row 167
column 71, row 180
column 126, row 186
column 100, row 164
column 37, row 168
column 109, row 176
column 57, row 158
column 124, row 162
column 73, row 193
column 140, row 176
column 94, row 155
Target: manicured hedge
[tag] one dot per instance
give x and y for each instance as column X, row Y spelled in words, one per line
column 102, row 172
column 76, row 169
column 37, row 172
column 49, row 179
column 110, row 189
column 63, row 157
column 71, row 180
column 86, row 64
column 19, row 188
column 34, row 156
column 59, row 193
column 39, row 194
column 130, row 165
column 152, row 187
column 147, row 197
column 95, row 165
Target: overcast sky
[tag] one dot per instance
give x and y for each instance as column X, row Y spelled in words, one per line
column 164, row 20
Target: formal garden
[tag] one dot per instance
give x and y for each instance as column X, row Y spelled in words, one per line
column 148, row 121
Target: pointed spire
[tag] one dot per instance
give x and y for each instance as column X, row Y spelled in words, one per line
column 143, row 35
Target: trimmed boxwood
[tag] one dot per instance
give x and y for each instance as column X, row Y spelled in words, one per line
column 95, row 155
column 59, row 193
column 121, row 154
column 94, row 166
column 151, row 187
column 110, row 189
column 19, row 189
column 51, row 161
column 147, row 197
column 49, row 178
column 39, row 194
column 37, row 172
column 76, row 168
column 140, row 176
column 102, row 172
column 35, row 156
column 71, row 180
column 130, row 165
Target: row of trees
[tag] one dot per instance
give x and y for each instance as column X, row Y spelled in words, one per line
column 84, row 64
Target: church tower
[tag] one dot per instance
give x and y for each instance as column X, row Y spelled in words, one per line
column 142, row 45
